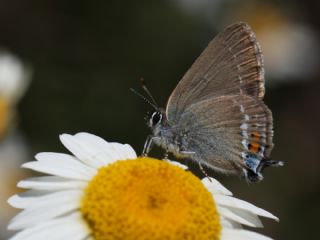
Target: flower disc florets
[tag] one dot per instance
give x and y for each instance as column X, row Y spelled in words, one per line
column 149, row 199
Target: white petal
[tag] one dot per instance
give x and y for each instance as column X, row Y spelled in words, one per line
column 240, row 204
column 123, row 151
column 103, row 152
column 130, row 153
column 62, row 165
column 34, row 193
column 250, row 217
column 21, row 201
column 215, row 187
column 58, row 158
column 239, row 234
column 178, row 164
column 85, row 150
column 51, row 183
column 252, row 221
column 80, row 150
column 68, row 227
column 99, row 150
column 45, row 200
column 43, row 208
column 227, row 223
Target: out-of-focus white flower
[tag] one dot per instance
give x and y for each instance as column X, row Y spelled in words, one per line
column 291, row 49
column 13, row 152
column 14, row 77
column 14, row 80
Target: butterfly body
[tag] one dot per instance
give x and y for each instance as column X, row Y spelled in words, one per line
column 216, row 116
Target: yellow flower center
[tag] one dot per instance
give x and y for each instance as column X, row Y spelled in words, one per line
column 149, row 199
column 4, row 116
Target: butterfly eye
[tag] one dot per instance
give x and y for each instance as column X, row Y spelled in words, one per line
column 156, row 118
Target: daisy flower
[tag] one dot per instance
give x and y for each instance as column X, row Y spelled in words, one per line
column 104, row 191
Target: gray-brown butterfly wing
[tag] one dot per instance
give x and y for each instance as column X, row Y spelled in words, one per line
column 231, row 64
column 222, row 130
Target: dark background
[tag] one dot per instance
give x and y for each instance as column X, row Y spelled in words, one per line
column 85, row 56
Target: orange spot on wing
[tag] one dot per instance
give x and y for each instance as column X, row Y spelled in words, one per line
column 256, row 135
column 254, row 147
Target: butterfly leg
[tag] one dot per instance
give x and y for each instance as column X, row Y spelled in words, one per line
column 166, row 155
column 203, row 171
column 189, row 153
column 147, row 146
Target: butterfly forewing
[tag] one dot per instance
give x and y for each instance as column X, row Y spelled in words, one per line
column 231, row 64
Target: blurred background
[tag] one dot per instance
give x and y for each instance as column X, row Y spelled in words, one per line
column 67, row 66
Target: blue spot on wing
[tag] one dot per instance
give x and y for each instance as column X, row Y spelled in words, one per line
column 252, row 161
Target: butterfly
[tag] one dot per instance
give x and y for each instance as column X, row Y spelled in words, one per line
column 216, row 115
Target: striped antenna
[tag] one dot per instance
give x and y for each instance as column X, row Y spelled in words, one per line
column 145, row 99
column 144, row 87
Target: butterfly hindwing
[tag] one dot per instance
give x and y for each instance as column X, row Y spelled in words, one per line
column 221, row 130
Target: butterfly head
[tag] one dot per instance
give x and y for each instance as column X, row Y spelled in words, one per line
column 155, row 119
